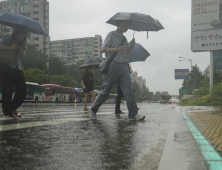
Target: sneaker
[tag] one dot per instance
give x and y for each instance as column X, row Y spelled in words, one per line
column 92, row 115
column 138, row 117
column 85, row 109
column 118, row 112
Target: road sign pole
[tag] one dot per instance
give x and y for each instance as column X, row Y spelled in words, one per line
column 211, row 69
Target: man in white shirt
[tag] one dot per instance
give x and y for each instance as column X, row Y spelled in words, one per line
column 118, row 71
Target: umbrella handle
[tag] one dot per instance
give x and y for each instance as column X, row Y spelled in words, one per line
column 133, row 33
column 147, row 35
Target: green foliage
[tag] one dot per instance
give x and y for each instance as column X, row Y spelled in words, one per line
column 165, row 97
column 36, row 75
column 34, row 58
column 138, row 92
column 63, row 80
column 203, row 91
column 196, row 76
column 216, row 91
column 56, row 66
column 201, row 102
column 74, row 71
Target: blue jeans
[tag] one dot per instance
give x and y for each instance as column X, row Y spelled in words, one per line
column 118, row 73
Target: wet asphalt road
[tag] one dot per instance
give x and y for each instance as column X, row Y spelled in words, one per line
column 61, row 136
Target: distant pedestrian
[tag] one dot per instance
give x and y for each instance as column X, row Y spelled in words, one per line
column 118, row 71
column 87, row 85
column 12, row 77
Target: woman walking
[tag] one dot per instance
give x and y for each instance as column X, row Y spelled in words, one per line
column 12, row 77
column 87, row 85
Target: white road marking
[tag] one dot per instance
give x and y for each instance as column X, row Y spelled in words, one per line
column 66, row 113
column 165, row 108
column 40, row 123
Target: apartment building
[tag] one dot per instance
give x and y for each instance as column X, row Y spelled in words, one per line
column 73, row 50
column 140, row 80
column 35, row 9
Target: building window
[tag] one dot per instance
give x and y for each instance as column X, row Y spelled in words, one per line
column 36, row 6
column 36, row 12
column 96, row 47
column 95, row 50
column 24, row 8
column 25, row 1
column 36, row 19
column 36, row 38
column 13, row 3
column 36, row 45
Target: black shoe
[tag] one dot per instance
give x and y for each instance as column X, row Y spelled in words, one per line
column 119, row 112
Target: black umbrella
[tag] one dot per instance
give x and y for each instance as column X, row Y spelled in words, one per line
column 140, row 22
column 17, row 20
column 93, row 62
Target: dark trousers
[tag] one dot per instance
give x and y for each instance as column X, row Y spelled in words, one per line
column 12, row 80
column 118, row 98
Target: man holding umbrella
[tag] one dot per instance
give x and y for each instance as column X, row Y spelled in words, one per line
column 118, row 70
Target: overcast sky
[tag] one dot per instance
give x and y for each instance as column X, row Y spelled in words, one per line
column 85, row 18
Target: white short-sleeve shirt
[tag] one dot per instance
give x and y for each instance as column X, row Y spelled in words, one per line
column 113, row 40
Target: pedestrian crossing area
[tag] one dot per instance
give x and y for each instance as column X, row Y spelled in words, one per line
column 62, row 117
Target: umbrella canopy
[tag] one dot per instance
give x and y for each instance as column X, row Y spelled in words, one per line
column 138, row 53
column 17, row 20
column 140, row 22
column 91, row 62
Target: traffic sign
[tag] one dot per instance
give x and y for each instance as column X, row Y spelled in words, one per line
column 181, row 73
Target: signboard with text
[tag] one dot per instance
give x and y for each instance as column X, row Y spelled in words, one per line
column 206, row 15
column 181, row 73
column 206, row 40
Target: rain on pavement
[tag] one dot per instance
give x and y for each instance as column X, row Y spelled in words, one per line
column 61, row 136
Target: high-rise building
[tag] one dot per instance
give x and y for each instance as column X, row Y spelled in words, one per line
column 35, row 9
column 140, row 80
column 73, row 50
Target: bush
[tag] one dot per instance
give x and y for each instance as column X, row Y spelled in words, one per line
column 201, row 92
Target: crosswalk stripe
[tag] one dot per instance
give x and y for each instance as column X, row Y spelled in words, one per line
column 39, row 123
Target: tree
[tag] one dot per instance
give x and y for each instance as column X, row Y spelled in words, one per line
column 145, row 94
column 56, row 66
column 63, row 80
column 165, row 97
column 74, row 71
column 138, row 91
column 35, row 58
column 195, row 77
column 36, row 76
column 194, row 82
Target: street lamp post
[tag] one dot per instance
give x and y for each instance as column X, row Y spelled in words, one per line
column 187, row 59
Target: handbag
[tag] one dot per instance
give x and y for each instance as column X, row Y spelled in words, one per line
column 104, row 66
column 8, row 56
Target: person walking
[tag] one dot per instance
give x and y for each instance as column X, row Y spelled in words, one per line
column 12, row 77
column 118, row 71
column 87, row 85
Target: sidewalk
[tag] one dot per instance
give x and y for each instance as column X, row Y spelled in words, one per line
column 186, row 148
